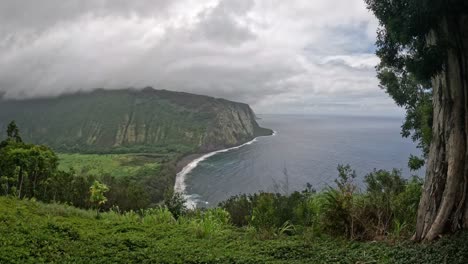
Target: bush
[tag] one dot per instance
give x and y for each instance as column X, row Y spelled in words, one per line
column 338, row 206
column 297, row 208
column 160, row 215
column 240, row 209
column 337, row 213
column 175, row 203
column 265, row 214
column 386, row 208
column 405, row 204
column 208, row 222
column 394, row 201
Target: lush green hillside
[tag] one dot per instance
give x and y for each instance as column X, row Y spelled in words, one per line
column 32, row 232
column 125, row 121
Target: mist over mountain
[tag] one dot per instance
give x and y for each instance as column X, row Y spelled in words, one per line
column 123, row 121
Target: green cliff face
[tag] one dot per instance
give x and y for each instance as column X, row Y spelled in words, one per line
column 132, row 121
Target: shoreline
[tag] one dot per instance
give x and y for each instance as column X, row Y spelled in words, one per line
column 186, row 160
column 189, row 158
column 186, row 164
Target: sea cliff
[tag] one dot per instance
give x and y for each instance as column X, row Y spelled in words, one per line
column 128, row 121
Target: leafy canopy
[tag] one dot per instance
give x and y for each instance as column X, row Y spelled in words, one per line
column 24, row 168
column 410, row 56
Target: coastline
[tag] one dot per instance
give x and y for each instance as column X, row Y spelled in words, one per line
column 186, row 164
column 186, row 160
column 189, row 158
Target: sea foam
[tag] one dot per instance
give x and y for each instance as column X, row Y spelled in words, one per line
column 180, row 185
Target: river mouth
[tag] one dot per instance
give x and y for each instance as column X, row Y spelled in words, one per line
column 306, row 149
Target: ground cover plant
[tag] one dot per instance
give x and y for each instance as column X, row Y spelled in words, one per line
column 34, row 232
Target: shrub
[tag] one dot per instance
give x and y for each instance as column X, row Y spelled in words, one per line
column 296, row 208
column 336, row 213
column 345, row 181
column 387, row 207
column 337, row 208
column 382, row 189
column 265, row 214
column 302, row 205
column 130, row 217
column 175, row 203
column 160, row 215
column 287, row 229
column 240, row 209
column 210, row 222
column 405, row 204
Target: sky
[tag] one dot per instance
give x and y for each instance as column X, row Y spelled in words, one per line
column 295, row 56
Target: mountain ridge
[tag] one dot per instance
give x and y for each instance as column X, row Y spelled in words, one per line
column 132, row 120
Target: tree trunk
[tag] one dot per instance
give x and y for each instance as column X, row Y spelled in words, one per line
column 20, row 182
column 34, row 184
column 443, row 206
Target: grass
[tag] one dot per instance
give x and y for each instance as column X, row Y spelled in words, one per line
column 117, row 165
column 33, row 232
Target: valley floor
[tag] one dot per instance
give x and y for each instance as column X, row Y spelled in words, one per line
column 117, row 165
column 33, row 232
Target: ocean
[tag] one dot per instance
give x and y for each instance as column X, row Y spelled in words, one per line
column 306, row 149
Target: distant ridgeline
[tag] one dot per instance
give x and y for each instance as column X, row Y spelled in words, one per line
column 123, row 121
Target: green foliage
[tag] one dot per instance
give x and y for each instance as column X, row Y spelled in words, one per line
column 336, row 212
column 338, row 204
column 24, row 168
column 117, row 165
column 384, row 183
column 287, row 229
column 208, row 223
column 13, row 133
column 346, row 176
column 405, row 204
column 136, row 180
column 240, row 208
column 398, row 229
column 387, row 208
column 97, row 191
column 33, row 232
column 413, row 48
column 175, row 203
column 265, row 215
column 160, row 215
column 415, row 162
column 268, row 212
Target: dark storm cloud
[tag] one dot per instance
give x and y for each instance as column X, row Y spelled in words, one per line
column 276, row 55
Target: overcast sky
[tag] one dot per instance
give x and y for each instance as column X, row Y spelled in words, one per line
column 295, row 56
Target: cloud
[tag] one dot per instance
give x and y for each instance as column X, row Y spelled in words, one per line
column 296, row 56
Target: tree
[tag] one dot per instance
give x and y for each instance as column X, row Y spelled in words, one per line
column 24, row 167
column 175, row 203
column 423, row 47
column 13, row 132
column 97, row 191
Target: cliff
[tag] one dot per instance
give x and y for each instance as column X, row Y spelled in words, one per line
column 145, row 120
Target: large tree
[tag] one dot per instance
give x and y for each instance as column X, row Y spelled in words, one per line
column 423, row 47
column 24, row 167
